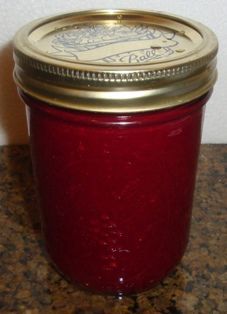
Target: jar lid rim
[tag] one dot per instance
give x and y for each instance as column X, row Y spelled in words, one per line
column 103, row 51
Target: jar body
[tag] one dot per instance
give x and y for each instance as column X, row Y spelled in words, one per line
column 116, row 191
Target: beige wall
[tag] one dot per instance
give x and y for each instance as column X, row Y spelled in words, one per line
column 12, row 113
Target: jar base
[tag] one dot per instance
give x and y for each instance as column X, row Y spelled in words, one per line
column 119, row 295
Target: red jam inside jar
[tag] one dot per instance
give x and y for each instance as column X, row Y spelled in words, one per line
column 116, row 191
column 115, row 171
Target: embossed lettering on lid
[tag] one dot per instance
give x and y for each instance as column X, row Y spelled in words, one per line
column 117, row 43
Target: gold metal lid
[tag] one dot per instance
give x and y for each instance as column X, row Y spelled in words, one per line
column 115, row 60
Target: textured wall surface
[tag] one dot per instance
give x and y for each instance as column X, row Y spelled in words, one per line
column 15, row 13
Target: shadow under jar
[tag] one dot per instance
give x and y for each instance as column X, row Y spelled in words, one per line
column 115, row 103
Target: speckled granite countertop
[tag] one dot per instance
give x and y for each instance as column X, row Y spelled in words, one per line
column 29, row 284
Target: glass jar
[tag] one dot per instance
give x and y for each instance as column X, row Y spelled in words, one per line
column 115, row 103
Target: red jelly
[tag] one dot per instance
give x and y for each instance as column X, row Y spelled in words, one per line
column 115, row 147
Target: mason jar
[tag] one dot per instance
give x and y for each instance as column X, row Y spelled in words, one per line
column 115, row 102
